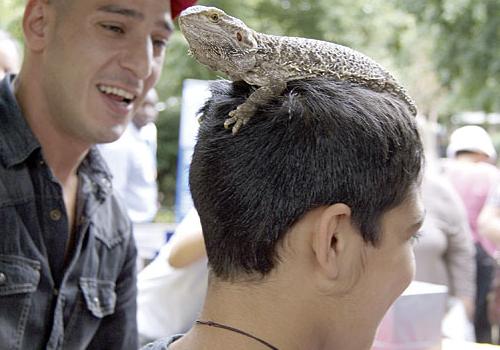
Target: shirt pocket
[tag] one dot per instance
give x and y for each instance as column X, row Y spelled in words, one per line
column 99, row 296
column 18, row 275
column 19, row 278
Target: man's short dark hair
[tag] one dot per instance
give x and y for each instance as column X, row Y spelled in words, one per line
column 321, row 142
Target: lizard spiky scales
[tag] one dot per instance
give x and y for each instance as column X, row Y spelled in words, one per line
column 226, row 44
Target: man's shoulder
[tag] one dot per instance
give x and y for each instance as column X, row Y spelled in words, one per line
column 16, row 139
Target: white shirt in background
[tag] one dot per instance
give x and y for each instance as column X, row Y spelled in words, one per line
column 132, row 162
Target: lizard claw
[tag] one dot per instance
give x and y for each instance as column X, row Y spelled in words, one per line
column 229, row 121
column 237, row 119
column 233, row 119
column 237, row 126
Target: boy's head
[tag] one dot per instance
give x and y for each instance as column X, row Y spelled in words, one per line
column 320, row 143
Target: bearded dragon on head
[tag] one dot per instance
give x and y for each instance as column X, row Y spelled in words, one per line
column 224, row 43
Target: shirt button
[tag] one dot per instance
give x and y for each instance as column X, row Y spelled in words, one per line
column 3, row 278
column 55, row 214
column 96, row 301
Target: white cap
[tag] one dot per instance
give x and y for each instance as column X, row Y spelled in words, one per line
column 471, row 138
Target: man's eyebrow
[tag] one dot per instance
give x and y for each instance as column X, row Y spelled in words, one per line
column 134, row 14
column 120, row 10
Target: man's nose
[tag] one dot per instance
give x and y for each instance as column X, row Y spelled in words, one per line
column 138, row 58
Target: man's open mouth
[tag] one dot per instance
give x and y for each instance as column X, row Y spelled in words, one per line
column 117, row 94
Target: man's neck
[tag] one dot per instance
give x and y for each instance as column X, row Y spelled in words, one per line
column 62, row 152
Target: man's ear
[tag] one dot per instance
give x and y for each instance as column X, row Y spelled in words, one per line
column 35, row 24
column 327, row 242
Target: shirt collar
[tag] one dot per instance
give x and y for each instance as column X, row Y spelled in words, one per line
column 100, row 177
column 17, row 142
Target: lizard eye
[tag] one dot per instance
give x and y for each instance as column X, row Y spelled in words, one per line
column 239, row 37
column 214, row 17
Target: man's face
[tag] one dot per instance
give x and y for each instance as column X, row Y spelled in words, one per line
column 101, row 59
column 390, row 267
column 147, row 112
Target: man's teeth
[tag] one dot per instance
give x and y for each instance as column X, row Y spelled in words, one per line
column 116, row 91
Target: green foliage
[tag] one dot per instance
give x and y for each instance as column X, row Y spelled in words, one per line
column 11, row 12
column 445, row 51
column 466, row 49
column 168, row 126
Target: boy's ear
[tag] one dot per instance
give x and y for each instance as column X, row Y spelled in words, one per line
column 328, row 239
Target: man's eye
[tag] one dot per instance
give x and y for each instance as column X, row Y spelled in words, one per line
column 160, row 44
column 113, row 28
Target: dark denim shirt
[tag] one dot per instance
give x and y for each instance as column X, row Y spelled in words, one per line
column 85, row 302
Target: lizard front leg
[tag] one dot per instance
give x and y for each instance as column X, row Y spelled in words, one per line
column 242, row 114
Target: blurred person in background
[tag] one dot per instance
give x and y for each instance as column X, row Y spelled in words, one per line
column 489, row 227
column 444, row 254
column 172, row 288
column 132, row 162
column 470, row 169
column 489, row 219
column 10, row 55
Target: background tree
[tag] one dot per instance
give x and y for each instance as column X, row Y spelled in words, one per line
column 465, row 49
column 11, row 12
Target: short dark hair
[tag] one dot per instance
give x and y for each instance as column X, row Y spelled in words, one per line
column 319, row 143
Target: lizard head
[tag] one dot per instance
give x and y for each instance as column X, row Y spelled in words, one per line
column 218, row 40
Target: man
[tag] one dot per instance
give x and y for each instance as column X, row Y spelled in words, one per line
column 132, row 161
column 10, row 59
column 67, row 256
column 308, row 215
column 471, row 172
column 445, row 254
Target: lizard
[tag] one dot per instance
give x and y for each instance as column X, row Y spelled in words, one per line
column 226, row 44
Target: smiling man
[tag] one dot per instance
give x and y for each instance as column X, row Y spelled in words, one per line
column 67, row 255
